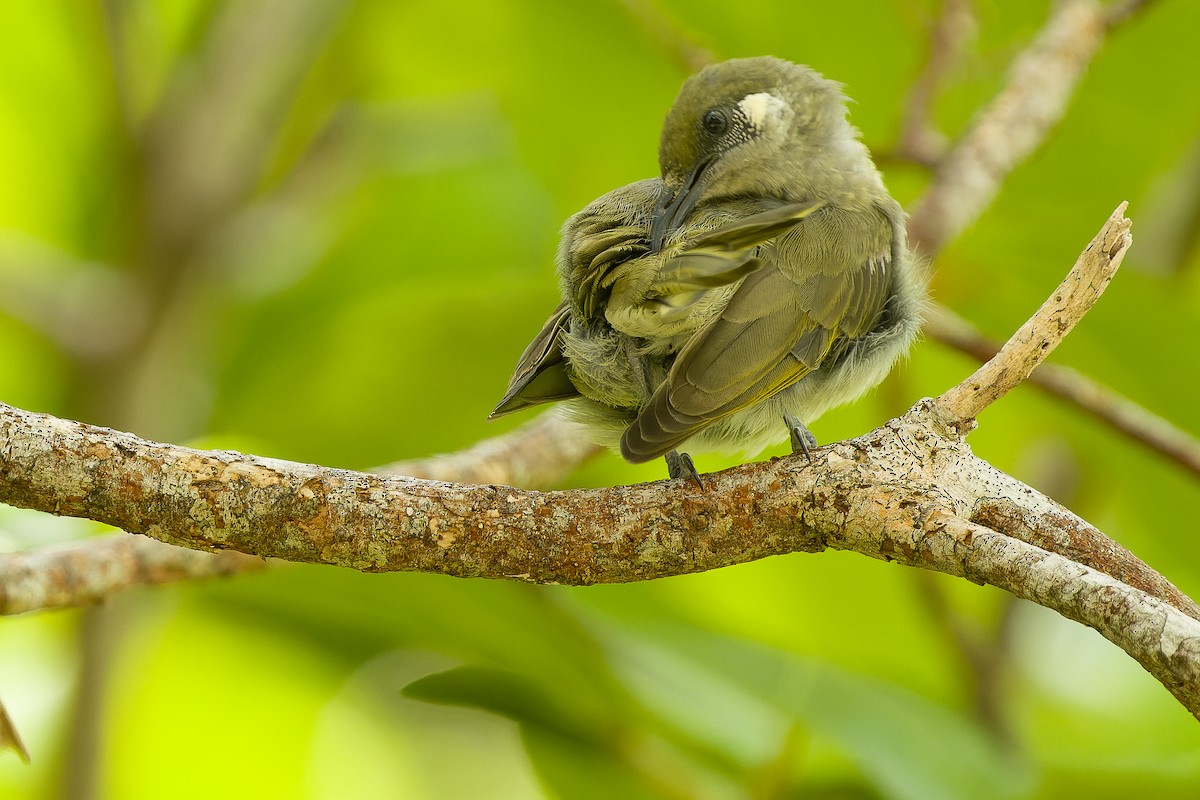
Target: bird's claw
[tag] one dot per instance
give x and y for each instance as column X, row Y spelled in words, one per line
column 802, row 439
column 679, row 465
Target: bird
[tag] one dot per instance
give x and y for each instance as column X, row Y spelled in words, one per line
column 762, row 279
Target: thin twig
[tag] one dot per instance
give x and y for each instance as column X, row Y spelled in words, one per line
column 1038, row 337
column 1122, row 11
column 669, row 34
column 919, row 140
column 9, row 738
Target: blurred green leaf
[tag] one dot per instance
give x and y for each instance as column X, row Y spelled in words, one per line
column 572, row 771
column 577, row 756
column 503, row 626
column 510, row 695
column 745, row 697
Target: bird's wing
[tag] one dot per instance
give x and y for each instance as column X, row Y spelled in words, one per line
column 811, row 290
column 610, row 232
column 654, row 298
column 541, row 375
column 722, row 256
column 607, row 233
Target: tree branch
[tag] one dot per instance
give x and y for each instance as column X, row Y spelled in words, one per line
column 1038, row 337
column 910, row 491
column 919, row 140
column 82, row 573
column 540, row 453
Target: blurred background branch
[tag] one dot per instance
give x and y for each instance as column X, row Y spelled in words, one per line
column 951, row 32
column 1041, row 85
column 1136, row 422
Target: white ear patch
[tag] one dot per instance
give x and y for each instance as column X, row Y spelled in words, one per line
column 760, row 107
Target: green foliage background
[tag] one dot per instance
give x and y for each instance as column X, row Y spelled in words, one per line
column 324, row 231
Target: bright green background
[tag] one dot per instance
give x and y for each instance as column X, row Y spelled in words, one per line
column 370, row 200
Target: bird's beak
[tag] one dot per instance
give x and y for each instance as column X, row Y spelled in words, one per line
column 672, row 208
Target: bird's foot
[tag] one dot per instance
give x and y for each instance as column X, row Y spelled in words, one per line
column 802, row 439
column 679, row 465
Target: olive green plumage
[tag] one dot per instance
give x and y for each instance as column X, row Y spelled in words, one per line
column 764, row 274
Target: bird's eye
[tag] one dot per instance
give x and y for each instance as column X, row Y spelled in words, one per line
column 715, row 121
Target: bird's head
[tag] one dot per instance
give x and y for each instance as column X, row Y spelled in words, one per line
column 753, row 127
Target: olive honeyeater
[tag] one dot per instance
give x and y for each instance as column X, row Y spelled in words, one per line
column 763, row 279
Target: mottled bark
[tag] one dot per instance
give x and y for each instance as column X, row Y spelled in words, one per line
column 905, row 492
column 86, row 572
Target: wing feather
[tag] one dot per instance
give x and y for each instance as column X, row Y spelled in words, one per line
column 541, row 374
column 810, row 293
